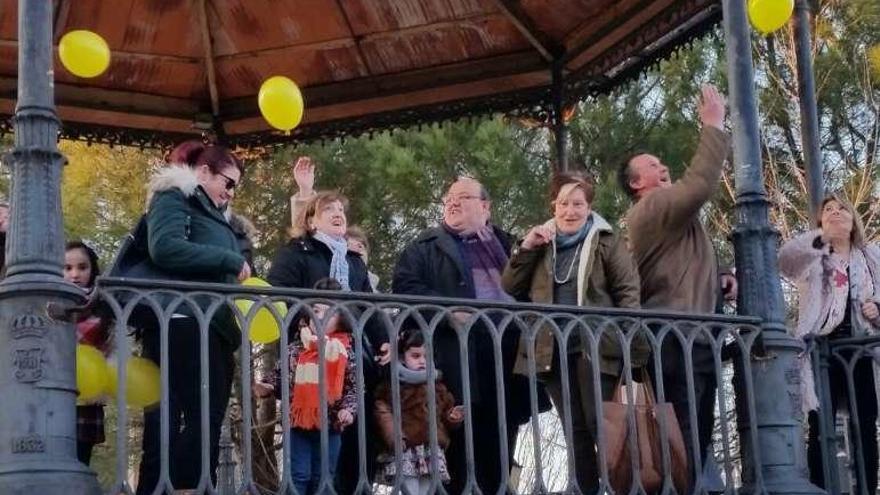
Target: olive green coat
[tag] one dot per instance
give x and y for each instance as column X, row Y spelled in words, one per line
column 606, row 277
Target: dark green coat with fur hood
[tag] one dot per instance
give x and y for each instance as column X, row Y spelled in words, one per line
column 189, row 236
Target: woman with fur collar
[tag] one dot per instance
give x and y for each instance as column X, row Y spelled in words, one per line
column 189, row 235
column 838, row 280
column 575, row 259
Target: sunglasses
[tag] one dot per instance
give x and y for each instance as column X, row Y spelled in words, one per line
column 230, row 184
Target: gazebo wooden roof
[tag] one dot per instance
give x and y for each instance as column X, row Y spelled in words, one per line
column 180, row 66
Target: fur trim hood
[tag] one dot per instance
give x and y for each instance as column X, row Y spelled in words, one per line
column 174, row 176
column 240, row 223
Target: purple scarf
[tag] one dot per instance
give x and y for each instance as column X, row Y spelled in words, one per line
column 485, row 256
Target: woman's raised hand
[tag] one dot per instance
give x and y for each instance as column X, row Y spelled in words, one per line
column 304, row 175
column 538, row 236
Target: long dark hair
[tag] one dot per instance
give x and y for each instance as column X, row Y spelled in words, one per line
column 91, row 255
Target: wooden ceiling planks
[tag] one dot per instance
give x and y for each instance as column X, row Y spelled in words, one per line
column 352, row 58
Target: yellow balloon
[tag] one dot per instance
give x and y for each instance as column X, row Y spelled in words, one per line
column 84, row 53
column 767, row 16
column 264, row 328
column 91, row 373
column 142, row 382
column 874, row 61
column 281, row 103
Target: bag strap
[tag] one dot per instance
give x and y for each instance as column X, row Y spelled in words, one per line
column 618, row 391
column 129, row 243
column 648, row 387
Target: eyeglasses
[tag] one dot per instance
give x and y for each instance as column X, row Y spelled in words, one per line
column 458, row 199
column 230, row 184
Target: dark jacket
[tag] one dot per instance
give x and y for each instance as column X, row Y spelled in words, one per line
column 606, row 277
column 432, row 265
column 414, row 422
column 189, row 236
column 2, row 254
column 303, row 261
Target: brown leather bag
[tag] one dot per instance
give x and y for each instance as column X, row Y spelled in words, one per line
column 648, row 437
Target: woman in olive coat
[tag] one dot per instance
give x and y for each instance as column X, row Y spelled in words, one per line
column 576, row 259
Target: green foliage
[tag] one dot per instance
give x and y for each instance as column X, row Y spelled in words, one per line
column 103, row 193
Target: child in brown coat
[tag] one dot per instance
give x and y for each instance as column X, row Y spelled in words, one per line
column 415, row 465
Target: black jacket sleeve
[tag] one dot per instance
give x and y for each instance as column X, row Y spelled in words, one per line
column 286, row 270
column 411, row 273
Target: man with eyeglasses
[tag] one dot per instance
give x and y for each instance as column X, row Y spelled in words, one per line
column 463, row 257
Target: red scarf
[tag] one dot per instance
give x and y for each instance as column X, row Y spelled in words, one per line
column 305, row 410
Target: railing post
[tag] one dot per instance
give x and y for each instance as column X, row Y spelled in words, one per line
column 37, row 420
column 226, row 464
column 777, row 464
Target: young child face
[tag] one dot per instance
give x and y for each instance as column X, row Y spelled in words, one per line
column 414, row 358
column 77, row 267
column 320, row 311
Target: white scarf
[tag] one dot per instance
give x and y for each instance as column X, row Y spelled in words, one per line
column 854, row 289
column 338, row 264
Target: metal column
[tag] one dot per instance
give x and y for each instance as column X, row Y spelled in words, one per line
column 777, row 464
column 807, row 101
column 560, row 132
column 37, row 420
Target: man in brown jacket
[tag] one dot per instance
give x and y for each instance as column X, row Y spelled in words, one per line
column 676, row 259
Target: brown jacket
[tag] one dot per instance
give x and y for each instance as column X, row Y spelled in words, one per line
column 414, row 410
column 675, row 257
column 606, row 277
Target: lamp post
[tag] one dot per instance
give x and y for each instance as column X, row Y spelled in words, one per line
column 38, row 417
column 777, row 463
column 807, row 101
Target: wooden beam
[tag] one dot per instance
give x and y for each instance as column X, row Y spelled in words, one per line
column 209, row 57
column 7, row 43
column 73, row 114
column 91, row 98
column 450, row 82
column 330, row 44
column 251, row 122
column 546, row 46
column 610, row 35
column 391, row 84
column 596, row 28
column 361, row 58
column 588, row 60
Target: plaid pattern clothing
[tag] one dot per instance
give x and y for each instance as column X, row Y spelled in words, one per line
column 90, row 424
column 90, row 418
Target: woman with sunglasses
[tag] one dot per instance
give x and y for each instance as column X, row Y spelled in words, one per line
column 190, row 236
